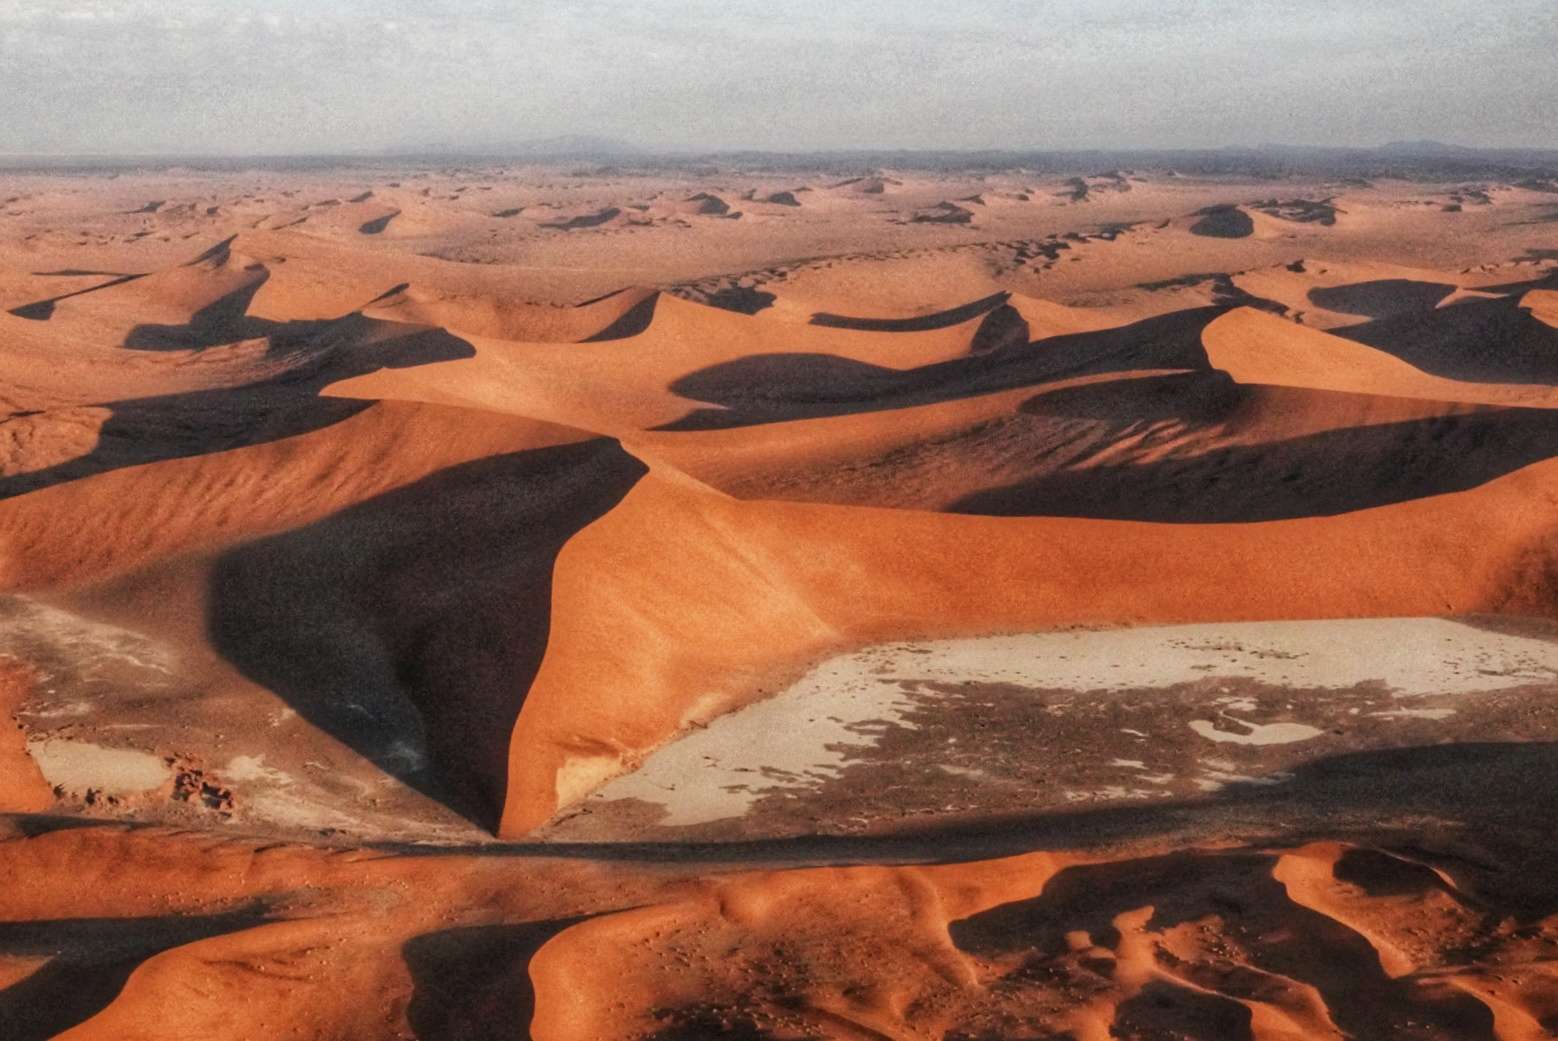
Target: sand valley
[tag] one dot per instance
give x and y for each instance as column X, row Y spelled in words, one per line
column 959, row 601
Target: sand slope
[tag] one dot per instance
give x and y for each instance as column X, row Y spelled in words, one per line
column 349, row 513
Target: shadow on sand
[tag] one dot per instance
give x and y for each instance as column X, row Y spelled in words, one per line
column 1336, row 471
column 410, row 626
column 1480, row 341
column 177, row 426
column 771, row 388
column 90, row 959
column 473, row 983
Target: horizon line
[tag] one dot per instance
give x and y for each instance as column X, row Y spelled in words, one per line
column 610, row 148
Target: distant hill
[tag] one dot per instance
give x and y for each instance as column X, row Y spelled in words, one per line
column 567, row 146
column 1425, row 148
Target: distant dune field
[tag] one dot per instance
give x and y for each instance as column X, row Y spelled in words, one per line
column 498, row 601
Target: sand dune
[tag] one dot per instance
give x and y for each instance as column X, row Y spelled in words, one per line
column 201, row 303
column 378, row 548
column 1231, row 222
column 1499, row 340
column 1255, row 347
column 1091, row 949
column 681, row 341
column 495, row 318
column 1160, row 445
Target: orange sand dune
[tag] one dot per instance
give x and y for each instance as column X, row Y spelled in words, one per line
column 1432, row 556
column 631, row 380
column 771, row 568
column 1207, row 943
column 198, row 304
column 1255, row 347
column 613, row 317
column 357, row 526
column 1233, row 222
column 1425, row 933
column 290, row 479
column 1158, row 445
column 1212, row 942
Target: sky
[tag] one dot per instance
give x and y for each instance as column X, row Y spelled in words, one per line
column 244, row 77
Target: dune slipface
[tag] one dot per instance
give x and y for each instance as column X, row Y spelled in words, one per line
column 493, row 602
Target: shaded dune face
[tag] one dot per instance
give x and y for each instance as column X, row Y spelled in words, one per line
column 58, row 996
column 771, row 388
column 1443, row 940
column 423, row 626
column 280, row 403
column 385, row 568
column 1175, row 447
column 1383, row 298
column 1320, row 474
column 1483, row 341
column 411, row 625
column 1224, row 222
column 1203, row 944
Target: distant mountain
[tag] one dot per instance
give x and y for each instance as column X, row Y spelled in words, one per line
column 1394, row 149
column 566, row 146
column 1424, row 148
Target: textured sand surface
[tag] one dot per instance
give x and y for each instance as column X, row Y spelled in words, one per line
column 495, row 601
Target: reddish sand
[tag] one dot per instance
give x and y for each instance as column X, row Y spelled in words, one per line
column 378, row 509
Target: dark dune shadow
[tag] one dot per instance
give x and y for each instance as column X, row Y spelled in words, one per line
column 1302, row 211
column 1091, row 898
column 176, row 426
column 943, row 213
column 588, row 220
column 1002, row 328
column 394, row 290
column 1548, row 279
column 1225, row 292
column 740, row 299
column 1318, row 475
column 1277, row 935
column 919, row 323
column 776, row 387
column 709, row 205
column 1479, row 341
column 1379, row 874
column 225, row 320
column 795, row 379
column 1382, row 298
column 1223, row 222
column 43, row 310
column 410, row 626
column 631, row 322
column 378, row 225
column 1187, row 398
column 90, row 959
column 473, row 983
column 1164, row 1009
column 1549, row 215
column 179, row 426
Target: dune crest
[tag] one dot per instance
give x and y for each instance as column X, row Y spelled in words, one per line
column 647, row 598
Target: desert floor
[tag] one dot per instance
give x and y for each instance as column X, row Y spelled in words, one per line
column 499, row 601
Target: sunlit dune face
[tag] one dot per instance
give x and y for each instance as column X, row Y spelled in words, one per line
column 626, row 601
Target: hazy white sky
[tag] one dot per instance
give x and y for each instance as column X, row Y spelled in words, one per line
column 293, row 76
